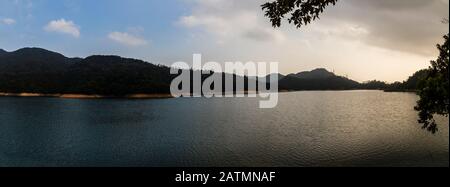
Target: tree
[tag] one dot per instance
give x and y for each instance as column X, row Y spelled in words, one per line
column 302, row 11
column 434, row 90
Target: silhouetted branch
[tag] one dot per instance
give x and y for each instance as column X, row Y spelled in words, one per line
column 302, row 12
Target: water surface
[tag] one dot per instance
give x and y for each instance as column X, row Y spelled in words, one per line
column 351, row 128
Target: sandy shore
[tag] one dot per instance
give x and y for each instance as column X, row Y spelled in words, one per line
column 85, row 96
column 28, row 95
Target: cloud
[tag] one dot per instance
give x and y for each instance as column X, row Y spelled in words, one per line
column 412, row 26
column 64, row 27
column 365, row 39
column 230, row 19
column 127, row 39
column 8, row 21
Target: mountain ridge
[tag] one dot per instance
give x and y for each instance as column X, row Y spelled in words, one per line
column 37, row 70
column 318, row 73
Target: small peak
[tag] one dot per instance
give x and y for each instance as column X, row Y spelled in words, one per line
column 33, row 49
column 319, row 73
column 321, row 70
column 103, row 59
column 37, row 52
column 110, row 59
column 102, row 56
column 280, row 76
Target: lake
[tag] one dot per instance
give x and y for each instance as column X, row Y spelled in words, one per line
column 348, row 128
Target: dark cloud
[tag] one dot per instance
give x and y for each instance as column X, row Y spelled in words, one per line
column 406, row 25
column 394, row 5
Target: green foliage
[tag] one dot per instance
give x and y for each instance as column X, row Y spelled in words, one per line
column 410, row 85
column 318, row 79
column 302, row 12
column 35, row 70
column 375, row 85
column 434, row 90
column 414, row 81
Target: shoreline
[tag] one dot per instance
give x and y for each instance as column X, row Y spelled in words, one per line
column 88, row 96
column 148, row 96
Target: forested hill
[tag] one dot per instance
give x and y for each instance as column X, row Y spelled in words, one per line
column 2, row 52
column 36, row 70
column 318, row 79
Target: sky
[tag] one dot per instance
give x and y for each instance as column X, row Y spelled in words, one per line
column 362, row 39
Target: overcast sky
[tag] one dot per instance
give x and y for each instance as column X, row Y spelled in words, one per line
column 363, row 39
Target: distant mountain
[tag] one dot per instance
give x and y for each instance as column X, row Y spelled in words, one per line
column 33, row 60
column 320, row 73
column 32, row 70
column 36, row 70
column 114, row 75
column 268, row 78
column 318, row 79
column 411, row 84
column 280, row 76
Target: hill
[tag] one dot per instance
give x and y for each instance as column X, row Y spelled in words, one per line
column 2, row 52
column 36, row 70
column 319, row 73
column 318, row 79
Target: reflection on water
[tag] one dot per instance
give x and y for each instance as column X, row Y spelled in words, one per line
column 355, row 128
